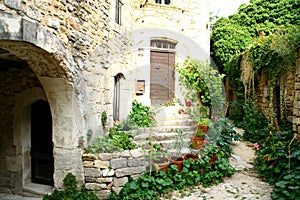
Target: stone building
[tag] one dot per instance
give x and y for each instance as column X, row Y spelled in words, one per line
column 65, row 62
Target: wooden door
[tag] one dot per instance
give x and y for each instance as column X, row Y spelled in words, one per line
column 162, row 76
column 42, row 161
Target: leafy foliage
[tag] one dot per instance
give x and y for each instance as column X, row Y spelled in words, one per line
column 152, row 185
column 71, row 192
column 278, row 163
column 116, row 141
column 267, row 30
column 249, row 117
column 141, row 115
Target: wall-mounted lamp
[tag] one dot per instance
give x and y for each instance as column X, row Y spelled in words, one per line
column 140, row 52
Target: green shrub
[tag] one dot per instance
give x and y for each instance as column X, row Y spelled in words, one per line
column 152, row 185
column 249, row 117
column 116, row 141
column 277, row 166
column 141, row 115
column 70, row 191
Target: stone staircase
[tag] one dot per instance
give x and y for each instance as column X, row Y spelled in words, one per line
column 171, row 127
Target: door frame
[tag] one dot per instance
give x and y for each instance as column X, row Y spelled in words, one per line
column 22, row 130
column 171, row 78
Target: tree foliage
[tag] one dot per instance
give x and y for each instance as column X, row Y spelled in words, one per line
column 231, row 37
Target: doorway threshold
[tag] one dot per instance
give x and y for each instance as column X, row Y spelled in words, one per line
column 37, row 190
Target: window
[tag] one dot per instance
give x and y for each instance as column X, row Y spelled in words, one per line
column 166, row 2
column 162, row 44
column 119, row 5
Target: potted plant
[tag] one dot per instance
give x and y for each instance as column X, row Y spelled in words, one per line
column 197, row 139
column 158, row 158
column 203, row 125
column 177, row 157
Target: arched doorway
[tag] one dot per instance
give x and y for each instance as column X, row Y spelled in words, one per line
column 41, row 151
column 36, row 66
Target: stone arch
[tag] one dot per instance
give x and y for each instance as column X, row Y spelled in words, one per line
column 36, row 45
column 53, row 65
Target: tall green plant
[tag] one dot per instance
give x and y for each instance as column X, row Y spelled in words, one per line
column 141, row 115
column 203, row 84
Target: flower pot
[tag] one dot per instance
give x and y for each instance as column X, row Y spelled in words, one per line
column 161, row 163
column 197, row 142
column 203, row 128
column 177, row 160
column 212, row 160
column 187, row 156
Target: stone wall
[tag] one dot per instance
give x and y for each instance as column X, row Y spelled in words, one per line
column 106, row 172
column 15, row 77
column 296, row 120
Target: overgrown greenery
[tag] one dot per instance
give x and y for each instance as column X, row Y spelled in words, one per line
column 141, row 115
column 202, row 88
column 278, row 161
column 152, row 185
column 71, row 191
column 116, row 141
column 263, row 34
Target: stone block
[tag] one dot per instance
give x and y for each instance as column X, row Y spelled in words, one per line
column 137, row 153
column 92, row 172
column 126, row 154
column 104, row 180
column 105, row 156
column 53, row 23
column 101, row 164
column 108, row 172
column 88, row 164
column 89, row 179
column 13, row 4
column 137, row 162
column 119, row 182
column 103, row 194
column 117, row 190
column 95, row 186
column 118, row 163
column 116, row 155
column 33, row 13
column 29, row 31
column 89, row 157
column 129, row 171
column 136, row 176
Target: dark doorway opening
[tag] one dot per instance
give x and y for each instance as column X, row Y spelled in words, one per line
column 42, row 161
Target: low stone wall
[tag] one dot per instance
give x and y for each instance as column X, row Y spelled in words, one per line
column 106, row 172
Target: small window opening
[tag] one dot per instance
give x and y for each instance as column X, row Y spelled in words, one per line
column 119, row 5
column 166, row 2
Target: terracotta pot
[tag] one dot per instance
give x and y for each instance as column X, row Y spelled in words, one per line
column 161, row 164
column 212, row 160
column 187, row 156
column 177, row 160
column 197, row 142
column 203, row 128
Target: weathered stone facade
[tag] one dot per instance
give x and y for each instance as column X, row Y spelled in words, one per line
column 296, row 119
column 69, row 53
column 107, row 172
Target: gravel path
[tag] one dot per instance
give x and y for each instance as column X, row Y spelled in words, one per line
column 244, row 184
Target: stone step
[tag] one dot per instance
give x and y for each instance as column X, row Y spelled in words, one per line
column 175, row 122
column 166, row 144
column 162, row 136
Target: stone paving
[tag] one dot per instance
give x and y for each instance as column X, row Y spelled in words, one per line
column 16, row 197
